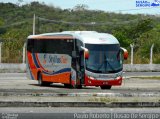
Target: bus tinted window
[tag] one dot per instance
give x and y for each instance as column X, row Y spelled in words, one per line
column 30, row 45
column 50, row 46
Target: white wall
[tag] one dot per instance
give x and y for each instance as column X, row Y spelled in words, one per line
column 12, row 67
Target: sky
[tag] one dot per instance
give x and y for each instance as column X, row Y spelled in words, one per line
column 118, row 6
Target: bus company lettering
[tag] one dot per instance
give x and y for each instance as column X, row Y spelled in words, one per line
column 57, row 60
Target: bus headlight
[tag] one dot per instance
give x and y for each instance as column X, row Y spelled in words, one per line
column 90, row 77
column 118, row 78
column 89, row 81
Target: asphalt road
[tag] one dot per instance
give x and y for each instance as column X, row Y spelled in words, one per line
column 18, row 82
column 76, row 110
column 80, row 113
column 126, row 74
column 128, row 85
column 15, row 87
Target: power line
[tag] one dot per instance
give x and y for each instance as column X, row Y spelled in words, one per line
column 137, row 9
column 15, row 24
column 88, row 23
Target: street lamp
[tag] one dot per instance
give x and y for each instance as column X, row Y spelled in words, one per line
column 132, row 46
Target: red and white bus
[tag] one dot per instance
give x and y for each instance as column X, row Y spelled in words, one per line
column 75, row 59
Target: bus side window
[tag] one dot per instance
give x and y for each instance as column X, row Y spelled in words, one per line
column 41, row 46
column 30, row 45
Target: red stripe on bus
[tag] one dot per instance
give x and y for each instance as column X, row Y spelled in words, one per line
column 31, row 64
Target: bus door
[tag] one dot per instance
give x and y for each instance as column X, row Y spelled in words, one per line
column 81, row 62
column 79, row 67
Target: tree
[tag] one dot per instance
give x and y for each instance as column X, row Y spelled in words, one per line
column 80, row 7
column 142, row 27
column 2, row 30
column 143, row 32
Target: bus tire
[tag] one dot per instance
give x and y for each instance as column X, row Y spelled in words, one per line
column 68, row 86
column 78, row 86
column 40, row 79
column 106, row 87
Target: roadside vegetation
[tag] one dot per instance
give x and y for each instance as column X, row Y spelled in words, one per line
column 147, row 77
column 103, row 99
column 16, row 24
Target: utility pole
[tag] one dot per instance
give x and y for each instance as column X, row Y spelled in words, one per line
column 38, row 30
column 132, row 46
column 34, row 20
column 24, row 53
column 151, row 53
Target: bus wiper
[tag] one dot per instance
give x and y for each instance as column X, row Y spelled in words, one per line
column 109, row 65
column 100, row 67
column 105, row 63
column 102, row 63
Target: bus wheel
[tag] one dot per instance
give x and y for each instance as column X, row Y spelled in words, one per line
column 40, row 80
column 78, row 86
column 106, row 87
column 67, row 85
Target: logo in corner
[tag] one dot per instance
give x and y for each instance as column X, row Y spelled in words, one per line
column 147, row 3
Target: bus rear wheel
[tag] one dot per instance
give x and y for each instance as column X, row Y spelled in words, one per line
column 106, row 87
column 41, row 82
column 67, row 85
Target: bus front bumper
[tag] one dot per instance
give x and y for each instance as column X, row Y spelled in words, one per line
column 111, row 82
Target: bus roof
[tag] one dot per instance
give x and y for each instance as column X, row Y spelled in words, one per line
column 89, row 37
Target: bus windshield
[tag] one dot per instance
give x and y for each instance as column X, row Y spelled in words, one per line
column 104, row 58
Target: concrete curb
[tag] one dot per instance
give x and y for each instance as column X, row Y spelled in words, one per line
column 143, row 94
column 79, row 104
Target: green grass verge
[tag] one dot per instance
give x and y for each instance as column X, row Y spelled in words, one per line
column 145, row 77
column 103, row 99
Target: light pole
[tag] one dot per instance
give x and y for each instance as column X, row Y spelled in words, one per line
column 34, row 20
column 24, row 53
column 132, row 46
column 151, row 53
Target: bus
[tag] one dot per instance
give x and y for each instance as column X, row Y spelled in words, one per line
column 75, row 59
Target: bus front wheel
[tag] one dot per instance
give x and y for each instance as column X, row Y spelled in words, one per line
column 78, row 86
column 106, row 87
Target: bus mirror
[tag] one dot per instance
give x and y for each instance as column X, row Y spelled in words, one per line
column 74, row 55
column 125, row 53
column 86, row 52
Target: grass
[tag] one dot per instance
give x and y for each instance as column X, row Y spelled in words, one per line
column 145, row 77
column 103, row 99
